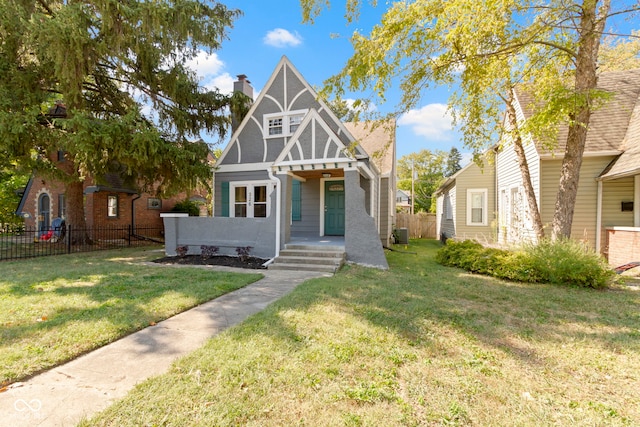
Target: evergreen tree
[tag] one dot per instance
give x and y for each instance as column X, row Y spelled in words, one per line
column 106, row 83
column 453, row 161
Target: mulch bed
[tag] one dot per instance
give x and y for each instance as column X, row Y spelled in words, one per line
column 227, row 261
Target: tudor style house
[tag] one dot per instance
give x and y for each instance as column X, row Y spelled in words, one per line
column 607, row 213
column 293, row 172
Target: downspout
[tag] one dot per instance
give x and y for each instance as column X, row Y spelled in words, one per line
column 496, row 196
column 636, row 201
column 378, row 202
column 133, row 213
column 278, row 209
column 599, row 216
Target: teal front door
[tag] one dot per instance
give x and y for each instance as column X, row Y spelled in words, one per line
column 334, row 208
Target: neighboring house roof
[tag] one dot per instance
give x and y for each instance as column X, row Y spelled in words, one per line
column 23, row 197
column 609, row 125
column 628, row 163
column 378, row 140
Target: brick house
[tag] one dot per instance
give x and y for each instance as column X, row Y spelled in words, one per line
column 110, row 204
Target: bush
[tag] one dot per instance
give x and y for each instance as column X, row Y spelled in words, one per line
column 187, row 206
column 570, row 262
column 563, row 262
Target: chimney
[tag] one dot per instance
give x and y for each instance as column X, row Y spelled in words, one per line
column 243, row 85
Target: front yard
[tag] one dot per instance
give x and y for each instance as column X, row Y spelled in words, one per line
column 420, row 344
column 55, row 308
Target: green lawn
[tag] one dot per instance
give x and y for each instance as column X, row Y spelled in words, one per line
column 53, row 309
column 420, row 344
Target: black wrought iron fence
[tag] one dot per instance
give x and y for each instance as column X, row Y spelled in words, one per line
column 27, row 242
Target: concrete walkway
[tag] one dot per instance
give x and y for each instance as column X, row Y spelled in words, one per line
column 90, row 383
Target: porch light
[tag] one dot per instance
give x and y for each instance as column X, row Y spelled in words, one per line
column 326, row 175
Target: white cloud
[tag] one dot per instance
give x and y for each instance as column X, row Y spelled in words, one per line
column 282, row 38
column 205, row 64
column 224, row 82
column 432, row 121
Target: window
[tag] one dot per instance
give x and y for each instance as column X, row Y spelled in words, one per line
column 282, row 124
column 112, row 206
column 448, row 207
column 154, row 203
column 294, row 122
column 477, row 207
column 62, row 206
column 275, row 126
column 249, row 200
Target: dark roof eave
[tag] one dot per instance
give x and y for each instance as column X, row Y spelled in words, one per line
column 98, row 188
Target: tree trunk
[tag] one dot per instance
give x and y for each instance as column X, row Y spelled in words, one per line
column 74, row 199
column 524, row 170
column 75, row 213
column 586, row 80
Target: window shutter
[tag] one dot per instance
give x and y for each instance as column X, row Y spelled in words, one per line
column 224, row 192
column 296, row 199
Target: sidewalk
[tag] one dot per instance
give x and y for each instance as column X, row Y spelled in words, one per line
column 90, row 383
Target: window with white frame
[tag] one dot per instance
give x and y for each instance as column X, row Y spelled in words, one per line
column 275, row 126
column 294, row 122
column 282, row 124
column 112, row 206
column 249, row 200
column 477, row 206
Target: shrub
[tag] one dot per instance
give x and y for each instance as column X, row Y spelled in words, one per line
column 570, row 262
column 182, row 250
column 563, row 262
column 187, row 206
column 207, row 251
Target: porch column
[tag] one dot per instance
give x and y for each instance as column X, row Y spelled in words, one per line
column 285, row 208
column 361, row 237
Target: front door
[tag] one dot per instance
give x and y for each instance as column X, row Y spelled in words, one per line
column 334, row 208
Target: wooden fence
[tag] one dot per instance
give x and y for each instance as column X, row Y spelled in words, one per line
column 420, row 225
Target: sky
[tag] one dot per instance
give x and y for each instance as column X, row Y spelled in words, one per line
column 267, row 30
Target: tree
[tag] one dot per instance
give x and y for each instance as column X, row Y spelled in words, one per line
column 453, row 162
column 11, row 182
column 106, row 83
column 427, row 169
column 492, row 49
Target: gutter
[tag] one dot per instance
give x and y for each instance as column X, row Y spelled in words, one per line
column 133, row 213
column 278, row 211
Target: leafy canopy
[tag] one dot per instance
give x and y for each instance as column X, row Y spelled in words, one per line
column 428, row 171
column 118, row 71
column 480, row 49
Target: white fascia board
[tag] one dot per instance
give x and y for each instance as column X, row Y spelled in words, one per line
column 244, row 167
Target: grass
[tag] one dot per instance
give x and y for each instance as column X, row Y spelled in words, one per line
column 53, row 309
column 420, row 344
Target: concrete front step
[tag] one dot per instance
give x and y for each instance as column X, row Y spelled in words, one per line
column 303, row 267
column 309, row 258
column 324, row 248
column 292, row 259
column 312, row 253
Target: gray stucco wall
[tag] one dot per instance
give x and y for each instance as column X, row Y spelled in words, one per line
column 225, row 233
column 362, row 242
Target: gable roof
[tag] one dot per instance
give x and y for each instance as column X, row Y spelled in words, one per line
column 313, row 149
column 284, row 67
column 378, row 140
column 609, row 125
